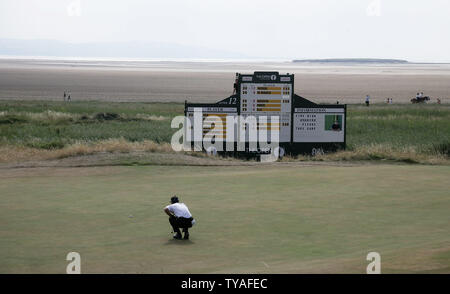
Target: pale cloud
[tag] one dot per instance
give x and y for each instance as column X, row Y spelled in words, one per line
column 417, row 30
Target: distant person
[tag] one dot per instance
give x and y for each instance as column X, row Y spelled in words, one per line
column 391, row 101
column 337, row 102
column 65, row 95
column 68, row 97
column 438, row 101
column 179, row 218
column 235, row 86
column 367, row 100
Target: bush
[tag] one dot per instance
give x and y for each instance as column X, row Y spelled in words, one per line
column 51, row 145
column 107, row 116
column 442, row 148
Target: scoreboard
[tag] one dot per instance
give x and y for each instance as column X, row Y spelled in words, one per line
column 300, row 125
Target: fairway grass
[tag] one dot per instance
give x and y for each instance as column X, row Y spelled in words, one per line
column 250, row 219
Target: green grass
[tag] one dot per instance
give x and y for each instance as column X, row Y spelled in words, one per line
column 279, row 219
column 92, row 107
column 50, row 125
column 390, row 129
column 423, row 127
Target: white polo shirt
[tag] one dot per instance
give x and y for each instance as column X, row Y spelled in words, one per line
column 179, row 209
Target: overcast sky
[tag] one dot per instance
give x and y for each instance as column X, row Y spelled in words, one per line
column 416, row 30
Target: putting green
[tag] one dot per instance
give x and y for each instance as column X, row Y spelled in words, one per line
column 255, row 219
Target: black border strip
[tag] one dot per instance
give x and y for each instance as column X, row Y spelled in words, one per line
column 265, row 282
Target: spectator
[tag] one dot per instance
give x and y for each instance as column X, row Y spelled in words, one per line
column 235, row 86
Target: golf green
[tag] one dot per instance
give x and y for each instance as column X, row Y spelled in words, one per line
column 278, row 218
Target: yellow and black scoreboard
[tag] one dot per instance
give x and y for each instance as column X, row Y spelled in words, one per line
column 268, row 94
column 300, row 125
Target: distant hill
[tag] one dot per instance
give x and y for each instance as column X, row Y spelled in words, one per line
column 136, row 49
column 352, row 60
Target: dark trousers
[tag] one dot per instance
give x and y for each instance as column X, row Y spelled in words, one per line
column 178, row 223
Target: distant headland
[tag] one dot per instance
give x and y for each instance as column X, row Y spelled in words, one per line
column 352, row 60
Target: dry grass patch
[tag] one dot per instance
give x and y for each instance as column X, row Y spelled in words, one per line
column 10, row 153
column 380, row 152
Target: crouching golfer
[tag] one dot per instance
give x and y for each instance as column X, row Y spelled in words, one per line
column 179, row 218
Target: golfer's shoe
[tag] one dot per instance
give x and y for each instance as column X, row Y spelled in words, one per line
column 186, row 236
column 177, row 236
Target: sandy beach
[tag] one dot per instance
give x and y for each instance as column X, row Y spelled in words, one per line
column 210, row 81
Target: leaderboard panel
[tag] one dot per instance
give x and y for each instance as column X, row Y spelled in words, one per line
column 319, row 125
column 268, row 99
column 214, row 127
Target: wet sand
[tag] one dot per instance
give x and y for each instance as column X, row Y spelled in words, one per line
column 212, row 81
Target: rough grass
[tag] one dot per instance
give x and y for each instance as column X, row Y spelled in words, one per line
column 405, row 133
column 19, row 153
column 381, row 153
column 54, row 117
column 92, row 107
column 421, row 127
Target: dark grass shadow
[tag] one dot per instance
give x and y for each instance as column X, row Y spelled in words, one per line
column 175, row 242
